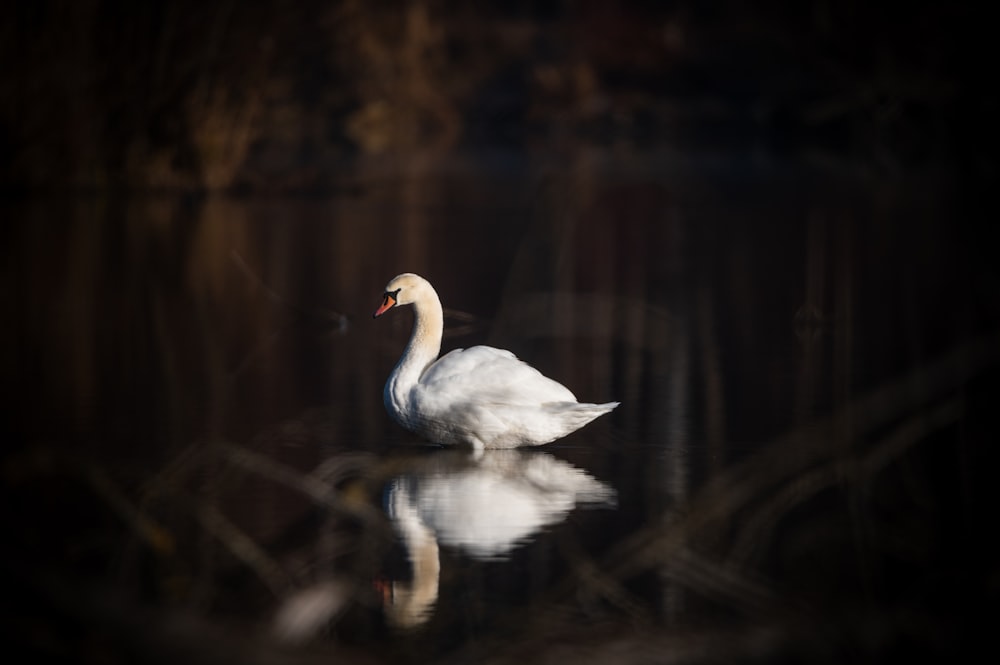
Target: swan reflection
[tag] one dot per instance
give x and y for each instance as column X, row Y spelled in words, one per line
column 482, row 505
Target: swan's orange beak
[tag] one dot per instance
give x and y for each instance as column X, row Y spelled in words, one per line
column 388, row 302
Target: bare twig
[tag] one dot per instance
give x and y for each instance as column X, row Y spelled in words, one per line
column 153, row 534
column 322, row 493
column 243, row 548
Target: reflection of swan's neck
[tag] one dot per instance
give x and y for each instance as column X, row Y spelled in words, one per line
column 412, row 601
column 422, row 349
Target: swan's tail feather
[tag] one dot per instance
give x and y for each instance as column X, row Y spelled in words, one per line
column 578, row 414
column 586, row 407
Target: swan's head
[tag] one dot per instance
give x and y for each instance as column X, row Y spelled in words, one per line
column 404, row 289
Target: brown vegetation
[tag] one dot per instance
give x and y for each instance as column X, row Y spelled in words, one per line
column 213, row 96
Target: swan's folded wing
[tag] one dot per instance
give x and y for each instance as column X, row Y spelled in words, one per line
column 486, row 375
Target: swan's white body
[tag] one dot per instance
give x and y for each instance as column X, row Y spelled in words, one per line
column 481, row 396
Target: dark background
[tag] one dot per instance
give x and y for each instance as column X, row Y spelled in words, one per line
column 275, row 96
column 767, row 228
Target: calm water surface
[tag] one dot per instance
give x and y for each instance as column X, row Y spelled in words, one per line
column 198, row 452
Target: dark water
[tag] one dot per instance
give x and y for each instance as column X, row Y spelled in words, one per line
column 198, row 463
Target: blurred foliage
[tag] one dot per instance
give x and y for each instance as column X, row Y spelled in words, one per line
column 194, row 95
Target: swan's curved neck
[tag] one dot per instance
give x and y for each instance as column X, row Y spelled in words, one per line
column 424, row 345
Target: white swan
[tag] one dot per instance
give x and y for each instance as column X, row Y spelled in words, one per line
column 481, row 396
